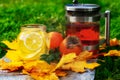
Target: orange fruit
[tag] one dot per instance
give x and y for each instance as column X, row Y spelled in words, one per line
column 70, row 44
column 55, row 39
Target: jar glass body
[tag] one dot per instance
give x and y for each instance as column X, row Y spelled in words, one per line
column 86, row 28
column 33, row 41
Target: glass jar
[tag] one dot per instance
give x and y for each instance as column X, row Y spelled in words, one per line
column 83, row 20
column 33, row 41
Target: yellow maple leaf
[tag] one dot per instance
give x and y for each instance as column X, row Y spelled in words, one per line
column 1, row 62
column 113, row 53
column 77, row 63
column 92, row 65
column 12, row 66
column 12, row 45
column 40, row 70
column 13, row 55
column 60, row 72
column 85, row 55
column 80, row 66
column 51, row 76
column 66, row 59
column 38, row 66
column 74, row 66
column 114, row 42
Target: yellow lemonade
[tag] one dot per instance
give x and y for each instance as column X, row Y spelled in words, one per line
column 33, row 41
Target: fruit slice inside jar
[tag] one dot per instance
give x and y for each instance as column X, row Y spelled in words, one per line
column 32, row 44
column 33, row 41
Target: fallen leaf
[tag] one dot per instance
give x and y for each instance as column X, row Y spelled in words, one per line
column 51, row 76
column 38, row 66
column 114, row 42
column 60, row 72
column 2, row 62
column 113, row 53
column 40, row 70
column 12, row 66
column 92, row 65
column 85, row 55
column 12, row 45
column 74, row 66
column 80, row 66
column 66, row 59
column 10, row 54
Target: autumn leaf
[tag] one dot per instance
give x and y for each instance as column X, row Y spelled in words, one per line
column 74, row 66
column 1, row 62
column 114, row 42
column 91, row 65
column 13, row 50
column 113, row 53
column 77, row 63
column 80, row 66
column 12, row 45
column 51, row 76
column 60, row 72
column 12, row 66
column 38, row 66
column 40, row 70
column 85, row 55
column 10, row 54
column 66, row 59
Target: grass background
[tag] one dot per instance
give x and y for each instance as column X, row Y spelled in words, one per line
column 15, row 13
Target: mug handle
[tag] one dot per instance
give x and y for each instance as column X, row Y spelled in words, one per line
column 107, row 27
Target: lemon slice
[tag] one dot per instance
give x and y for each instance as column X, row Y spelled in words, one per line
column 33, row 41
column 32, row 44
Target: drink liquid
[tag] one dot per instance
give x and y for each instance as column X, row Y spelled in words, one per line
column 88, row 33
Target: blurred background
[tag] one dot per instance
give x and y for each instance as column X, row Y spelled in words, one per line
column 15, row 13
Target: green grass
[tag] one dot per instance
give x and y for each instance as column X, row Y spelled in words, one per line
column 15, row 13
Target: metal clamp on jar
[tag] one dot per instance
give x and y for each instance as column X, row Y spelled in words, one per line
column 83, row 20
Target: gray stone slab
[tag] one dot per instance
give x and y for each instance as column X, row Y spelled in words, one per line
column 6, row 75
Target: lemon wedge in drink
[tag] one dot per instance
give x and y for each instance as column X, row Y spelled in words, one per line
column 32, row 44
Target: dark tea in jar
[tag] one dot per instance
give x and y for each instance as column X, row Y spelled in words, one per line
column 87, row 32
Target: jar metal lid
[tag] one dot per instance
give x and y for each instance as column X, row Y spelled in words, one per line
column 83, row 7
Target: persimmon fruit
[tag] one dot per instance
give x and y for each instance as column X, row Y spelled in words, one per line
column 55, row 39
column 70, row 44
